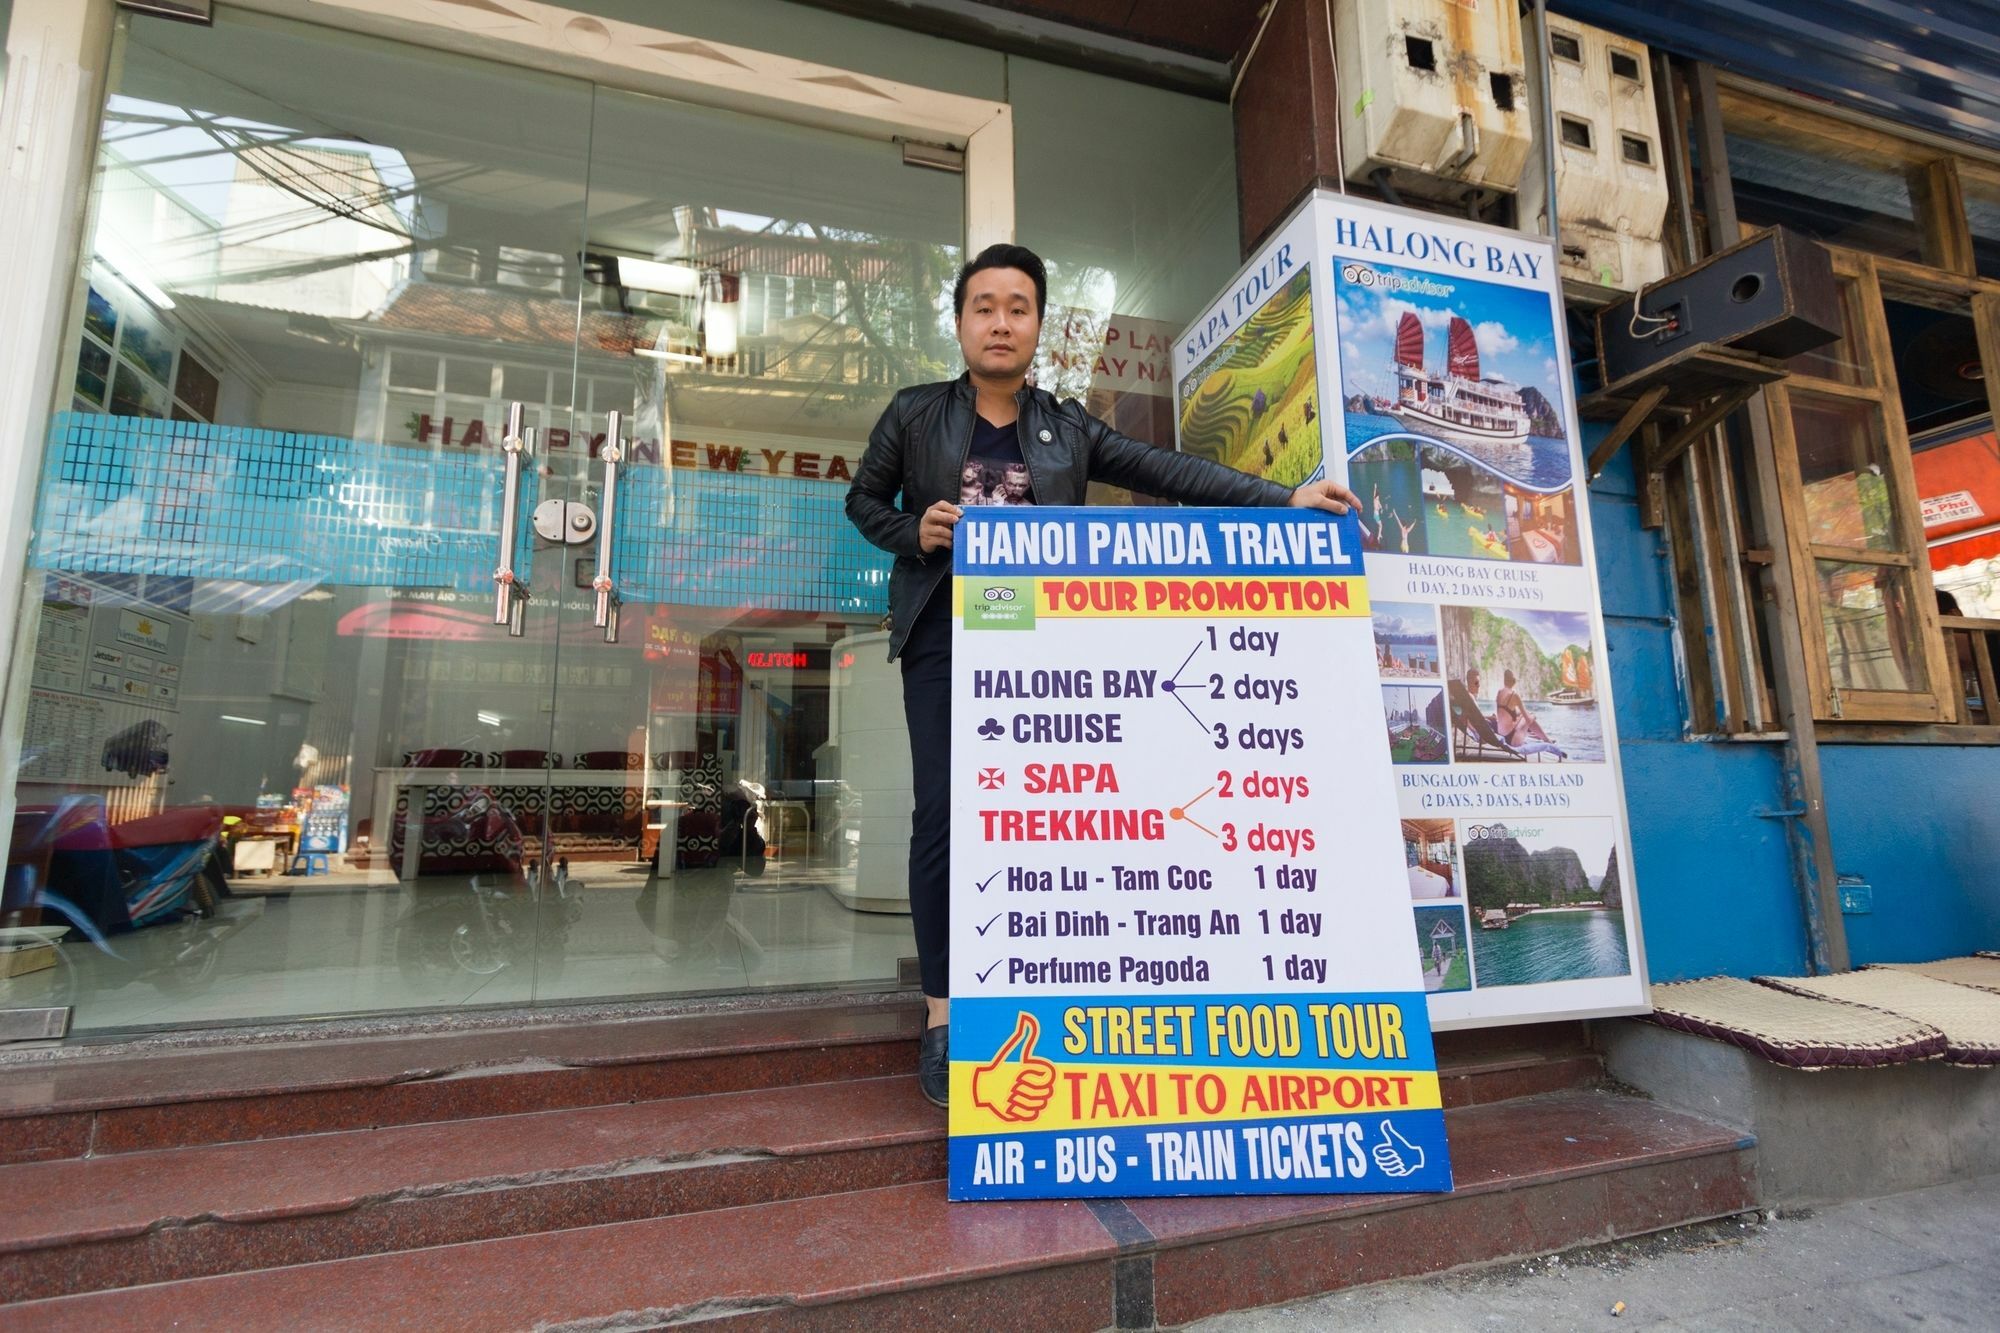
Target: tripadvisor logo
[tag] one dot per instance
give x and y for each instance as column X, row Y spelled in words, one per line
column 990, row 603
column 1498, row 832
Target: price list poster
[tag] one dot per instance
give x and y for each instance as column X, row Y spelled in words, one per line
column 1179, row 954
column 1422, row 361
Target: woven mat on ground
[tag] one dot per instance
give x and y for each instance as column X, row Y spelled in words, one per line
column 1980, row 970
column 1969, row 1018
column 1799, row 1031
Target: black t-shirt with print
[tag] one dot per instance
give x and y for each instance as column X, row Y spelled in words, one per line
column 995, row 472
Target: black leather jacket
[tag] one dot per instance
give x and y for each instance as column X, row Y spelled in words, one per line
column 918, row 450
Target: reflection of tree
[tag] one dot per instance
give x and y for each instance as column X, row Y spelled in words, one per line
column 1081, row 297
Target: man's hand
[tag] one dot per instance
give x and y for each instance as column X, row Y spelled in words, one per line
column 934, row 529
column 1327, row 495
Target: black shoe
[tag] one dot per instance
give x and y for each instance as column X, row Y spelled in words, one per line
column 933, row 1064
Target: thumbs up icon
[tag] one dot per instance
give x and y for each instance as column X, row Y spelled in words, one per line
column 1396, row 1155
column 1016, row 1091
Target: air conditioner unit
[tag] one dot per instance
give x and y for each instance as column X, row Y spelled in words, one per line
column 1611, row 184
column 1433, row 90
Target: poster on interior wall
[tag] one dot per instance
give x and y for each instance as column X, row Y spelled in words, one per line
column 1169, row 972
column 106, row 689
column 1423, row 361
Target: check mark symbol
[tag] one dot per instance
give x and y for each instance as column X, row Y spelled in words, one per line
column 988, row 880
column 995, row 917
column 982, row 975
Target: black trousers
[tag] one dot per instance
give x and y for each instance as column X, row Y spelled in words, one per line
column 926, row 663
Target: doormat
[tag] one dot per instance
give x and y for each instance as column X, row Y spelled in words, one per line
column 1981, row 971
column 1969, row 1018
column 1797, row 1031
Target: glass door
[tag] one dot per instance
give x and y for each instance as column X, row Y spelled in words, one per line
column 754, row 294
column 278, row 758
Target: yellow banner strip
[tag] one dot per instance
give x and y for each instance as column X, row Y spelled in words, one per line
column 1024, row 1096
column 1155, row 597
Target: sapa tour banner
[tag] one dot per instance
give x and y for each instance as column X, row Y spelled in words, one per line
column 1423, row 362
column 1179, row 952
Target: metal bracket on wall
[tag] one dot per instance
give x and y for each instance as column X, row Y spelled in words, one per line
column 1796, row 813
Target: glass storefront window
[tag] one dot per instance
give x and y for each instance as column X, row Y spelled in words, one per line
column 279, row 759
column 1129, row 194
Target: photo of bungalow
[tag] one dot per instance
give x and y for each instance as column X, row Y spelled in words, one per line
column 1430, row 850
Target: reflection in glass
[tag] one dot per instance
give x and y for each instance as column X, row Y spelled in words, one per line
column 1872, row 627
column 1843, row 360
column 1843, row 461
column 1823, row 191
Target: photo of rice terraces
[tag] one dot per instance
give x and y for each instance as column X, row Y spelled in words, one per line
column 1253, row 403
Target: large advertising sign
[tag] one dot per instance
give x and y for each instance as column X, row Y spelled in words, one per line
column 1180, row 954
column 1423, row 362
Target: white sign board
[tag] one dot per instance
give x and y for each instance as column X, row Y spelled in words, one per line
column 1423, row 362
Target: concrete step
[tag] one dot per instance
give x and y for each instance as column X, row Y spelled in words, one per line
column 83, row 1105
column 1535, row 1174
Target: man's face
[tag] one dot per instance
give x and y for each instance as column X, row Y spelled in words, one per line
column 998, row 328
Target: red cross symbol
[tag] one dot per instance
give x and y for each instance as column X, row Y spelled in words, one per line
column 989, row 778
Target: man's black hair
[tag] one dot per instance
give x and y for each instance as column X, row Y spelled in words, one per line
column 1005, row 255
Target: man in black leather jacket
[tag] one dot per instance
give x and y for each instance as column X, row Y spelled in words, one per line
column 988, row 438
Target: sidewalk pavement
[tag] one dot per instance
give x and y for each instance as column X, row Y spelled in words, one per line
column 1928, row 1258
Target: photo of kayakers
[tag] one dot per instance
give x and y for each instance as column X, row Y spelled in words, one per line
column 1464, row 510
column 1520, row 685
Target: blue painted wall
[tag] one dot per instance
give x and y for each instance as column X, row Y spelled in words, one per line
column 1920, row 823
column 1715, row 881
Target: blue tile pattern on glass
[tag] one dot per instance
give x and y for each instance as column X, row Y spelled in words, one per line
column 725, row 539
column 169, row 498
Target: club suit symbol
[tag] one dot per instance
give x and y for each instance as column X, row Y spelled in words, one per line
column 1016, row 1090
column 991, row 729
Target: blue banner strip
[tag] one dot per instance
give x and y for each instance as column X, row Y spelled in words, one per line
column 1365, row 1154
column 1347, row 1021
column 1107, row 542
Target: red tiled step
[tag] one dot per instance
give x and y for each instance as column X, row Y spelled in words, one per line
column 134, row 1218
column 1535, row 1174
column 1495, row 1064
column 161, row 1099
column 86, row 1105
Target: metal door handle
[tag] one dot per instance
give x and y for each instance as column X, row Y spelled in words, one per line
column 510, row 591
column 608, row 602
